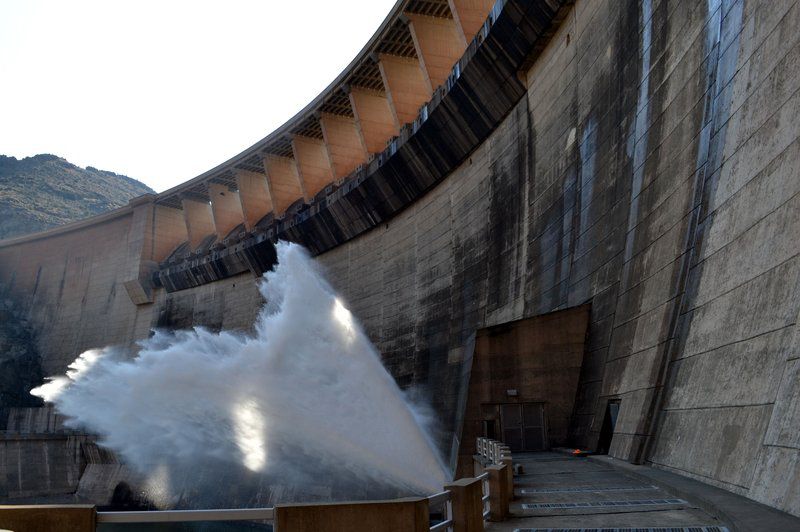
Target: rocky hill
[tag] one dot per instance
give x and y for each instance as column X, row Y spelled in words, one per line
column 44, row 191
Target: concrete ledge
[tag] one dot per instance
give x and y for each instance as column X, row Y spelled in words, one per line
column 409, row 514
column 739, row 513
column 48, row 518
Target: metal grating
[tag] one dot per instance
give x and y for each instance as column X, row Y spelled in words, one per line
column 281, row 146
column 397, row 41
column 431, row 8
column 588, row 489
column 172, row 201
column 599, row 504
column 701, row 528
column 309, row 127
column 227, row 178
column 338, row 103
column 198, row 192
column 254, row 163
column 367, row 75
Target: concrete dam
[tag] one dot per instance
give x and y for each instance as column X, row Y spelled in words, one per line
column 563, row 224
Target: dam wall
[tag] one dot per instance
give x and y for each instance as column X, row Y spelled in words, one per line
column 71, row 285
column 649, row 170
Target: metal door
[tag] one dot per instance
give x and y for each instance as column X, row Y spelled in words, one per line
column 511, row 419
column 523, row 426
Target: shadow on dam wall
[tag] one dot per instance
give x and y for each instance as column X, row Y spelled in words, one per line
column 648, row 169
column 20, row 370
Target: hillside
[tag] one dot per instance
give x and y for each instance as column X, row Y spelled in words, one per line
column 44, row 191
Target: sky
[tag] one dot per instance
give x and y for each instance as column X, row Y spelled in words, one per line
column 162, row 91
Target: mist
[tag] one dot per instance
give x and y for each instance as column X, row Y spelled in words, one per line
column 301, row 409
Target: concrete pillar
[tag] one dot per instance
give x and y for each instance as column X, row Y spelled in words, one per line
column 477, row 465
column 439, row 44
column 399, row 515
column 227, row 208
column 313, row 162
column 140, row 265
column 345, row 145
column 374, row 118
column 498, row 493
column 469, row 16
column 407, row 86
column 199, row 220
column 47, row 518
column 465, row 499
column 253, row 195
column 508, row 462
column 168, row 231
column 283, row 181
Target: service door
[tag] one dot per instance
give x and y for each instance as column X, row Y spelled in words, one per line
column 523, row 426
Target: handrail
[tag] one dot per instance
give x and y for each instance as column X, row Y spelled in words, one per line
column 436, row 500
column 444, row 525
column 171, row 516
column 484, row 478
column 492, row 453
column 492, row 450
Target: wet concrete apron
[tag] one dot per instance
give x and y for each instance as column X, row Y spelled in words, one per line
column 561, row 492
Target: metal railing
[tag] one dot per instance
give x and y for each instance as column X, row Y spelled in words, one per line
column 492, row 450
column 437, row 501
column 175, row 516
column 442, row 500
column 484, row 478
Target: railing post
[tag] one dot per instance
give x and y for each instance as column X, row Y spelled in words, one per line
column 509, row 474
column 498, row 493
column 477, row 466
column 465, row 496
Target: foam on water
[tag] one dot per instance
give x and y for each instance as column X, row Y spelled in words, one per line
column 306, row 388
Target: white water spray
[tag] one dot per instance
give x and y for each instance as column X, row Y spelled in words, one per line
column 305, row 397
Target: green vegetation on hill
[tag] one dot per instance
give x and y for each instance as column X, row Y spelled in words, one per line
column 43, row 191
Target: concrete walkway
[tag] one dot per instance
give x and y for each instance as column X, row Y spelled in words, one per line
column 562, row 492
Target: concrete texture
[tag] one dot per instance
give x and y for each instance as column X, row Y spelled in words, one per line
column 48, row 519
column 20, row 366
column 465, row 500
column 738, row 513
column 408, row 514
column 40, row 458
column 645, row 165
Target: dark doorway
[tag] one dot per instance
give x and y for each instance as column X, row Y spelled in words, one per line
column 523, row 426
column 489, row 429
column 607, row 430
column 524, row 365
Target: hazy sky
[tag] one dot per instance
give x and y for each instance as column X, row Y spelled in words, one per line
column 164, row 90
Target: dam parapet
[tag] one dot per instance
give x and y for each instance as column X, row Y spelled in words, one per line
column 462, row 506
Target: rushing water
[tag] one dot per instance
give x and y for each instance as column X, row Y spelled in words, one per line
column 303, row 401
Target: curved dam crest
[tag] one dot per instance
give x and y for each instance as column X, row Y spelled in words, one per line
column 634, row 163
